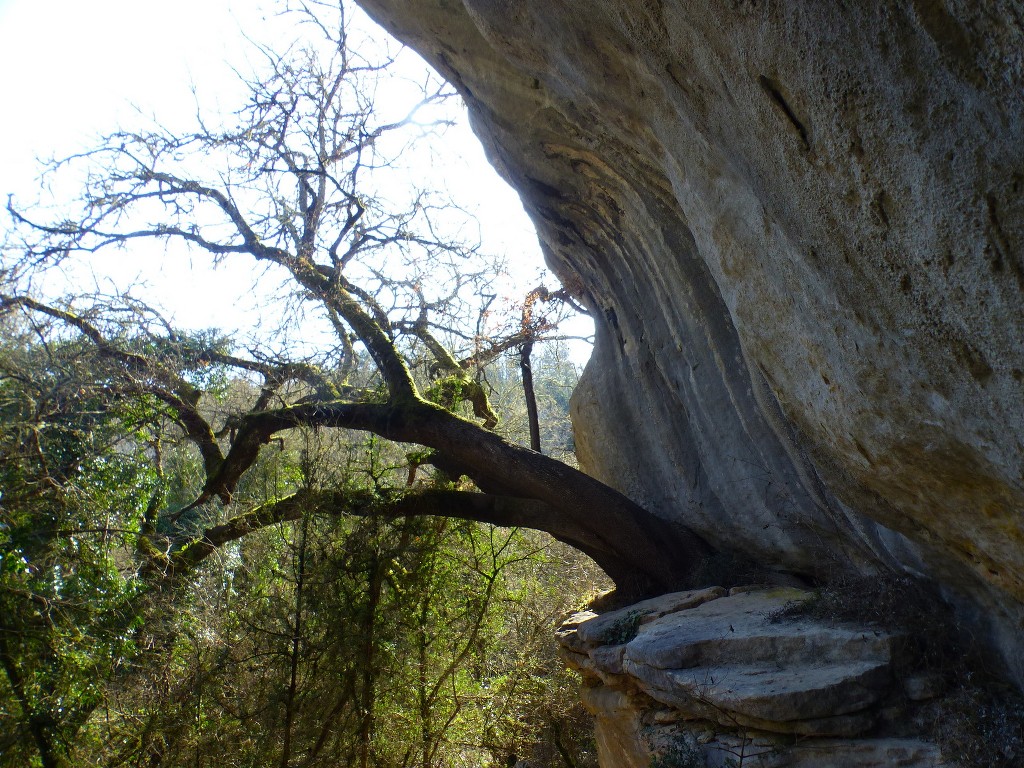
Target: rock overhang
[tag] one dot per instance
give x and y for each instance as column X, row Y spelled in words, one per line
column 799, row 230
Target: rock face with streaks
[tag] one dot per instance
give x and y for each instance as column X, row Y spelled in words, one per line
column 800, row 230
column 710, row 676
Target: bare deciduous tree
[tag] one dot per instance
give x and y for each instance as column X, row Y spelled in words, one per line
column 288, row 185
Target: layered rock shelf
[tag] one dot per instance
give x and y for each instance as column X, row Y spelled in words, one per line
column 714, row 675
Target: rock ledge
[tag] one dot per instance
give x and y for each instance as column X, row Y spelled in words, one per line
column 709, row 673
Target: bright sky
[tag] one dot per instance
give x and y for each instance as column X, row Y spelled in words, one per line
column 72, row 70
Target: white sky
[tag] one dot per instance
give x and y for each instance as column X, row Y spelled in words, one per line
column 73, row 69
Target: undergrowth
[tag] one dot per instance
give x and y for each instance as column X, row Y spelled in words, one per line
column 978, row 725
column 895, row 602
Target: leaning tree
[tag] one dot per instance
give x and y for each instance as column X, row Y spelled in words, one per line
column 288, row 183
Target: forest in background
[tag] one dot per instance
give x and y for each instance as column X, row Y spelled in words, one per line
column 330, row 640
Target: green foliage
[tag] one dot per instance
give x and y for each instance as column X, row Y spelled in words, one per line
column 427, row 641
column 625, row 628
column 448, row 391
column 73, row 495
column 417, row 644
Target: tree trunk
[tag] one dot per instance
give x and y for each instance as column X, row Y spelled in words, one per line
column 639, row 551
column 296, row 641
column 426, row 710
column 368, row 698
column 526, row 368
column 642, row 553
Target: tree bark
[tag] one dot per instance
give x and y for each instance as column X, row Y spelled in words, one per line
column 639, row 551
column 526, row 368
column 368, row 694
column 296, row 641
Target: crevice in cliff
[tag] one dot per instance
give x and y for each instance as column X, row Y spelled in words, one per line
column 774, row 91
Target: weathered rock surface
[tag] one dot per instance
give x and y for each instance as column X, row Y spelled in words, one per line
column 865, row 753
column 716, row 677
column 800, row 230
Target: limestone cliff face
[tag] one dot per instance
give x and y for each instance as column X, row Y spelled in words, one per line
column 800, row 229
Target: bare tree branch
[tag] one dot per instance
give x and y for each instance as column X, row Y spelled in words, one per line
column 284, row 183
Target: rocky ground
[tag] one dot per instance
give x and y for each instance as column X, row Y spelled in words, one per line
column 722, row 677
